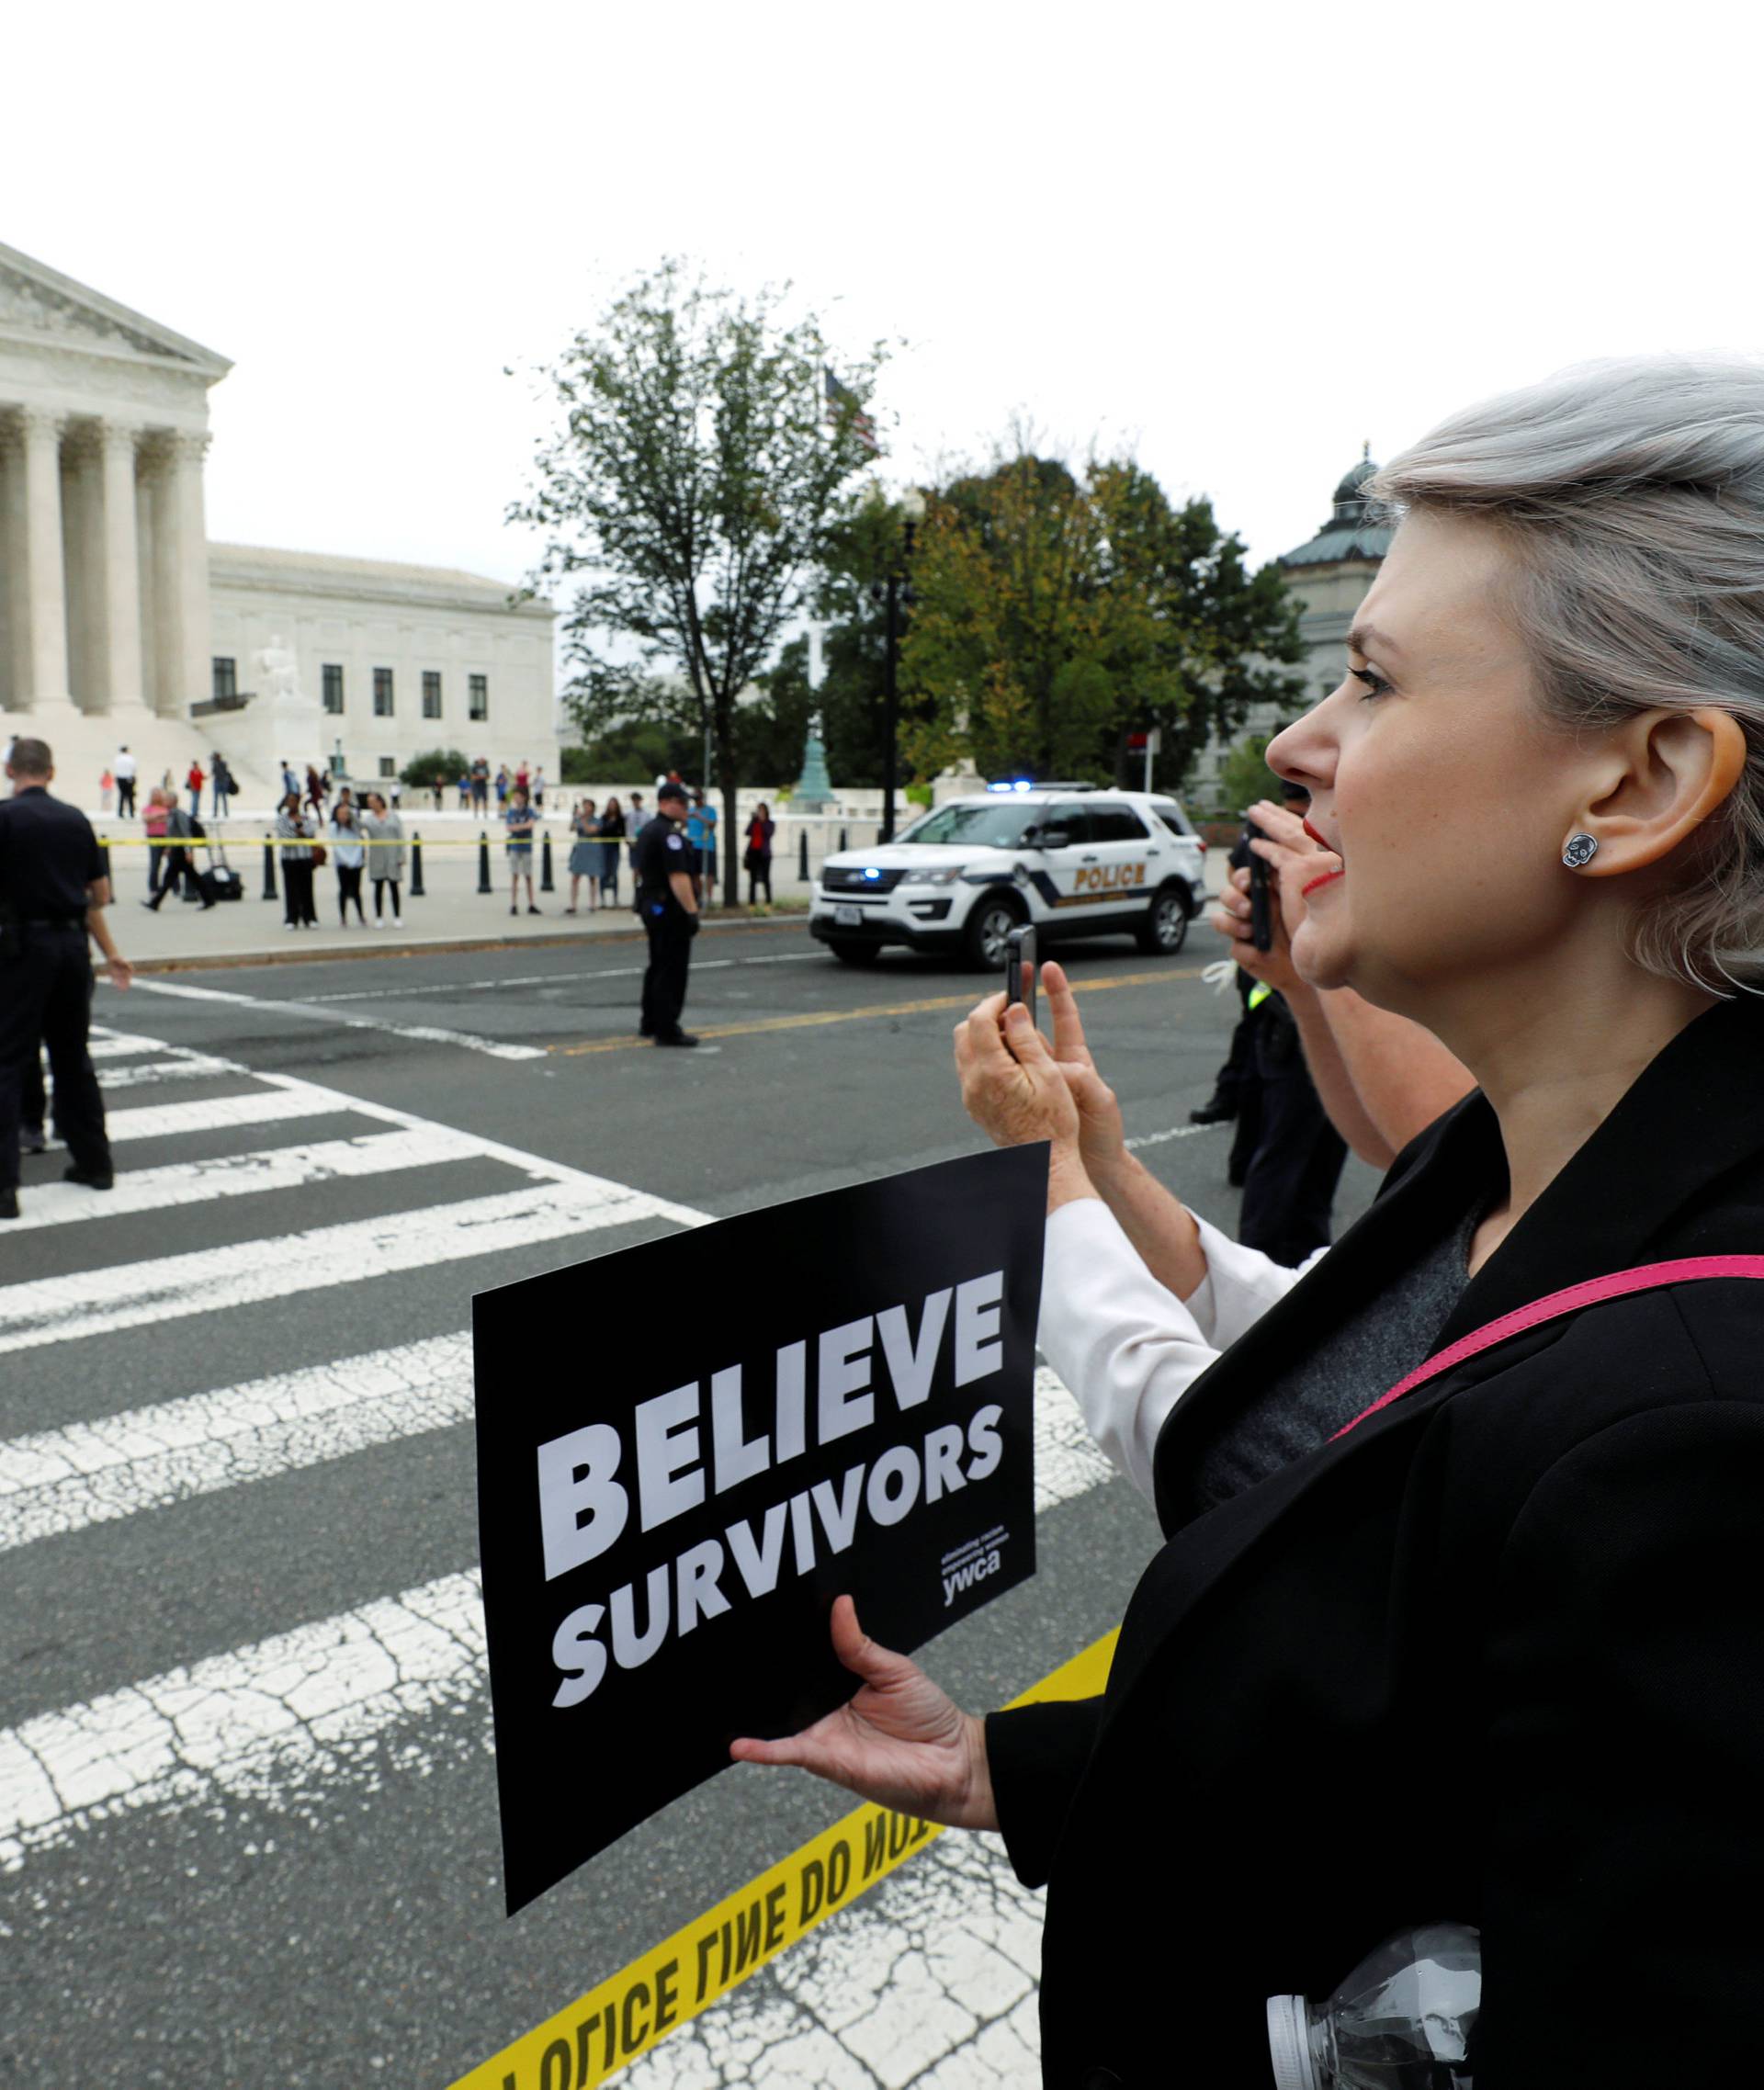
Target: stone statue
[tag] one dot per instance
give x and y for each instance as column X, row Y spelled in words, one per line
column 278, row 674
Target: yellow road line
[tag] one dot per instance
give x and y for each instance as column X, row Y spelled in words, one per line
column 625, row 2015
column 815, row 1017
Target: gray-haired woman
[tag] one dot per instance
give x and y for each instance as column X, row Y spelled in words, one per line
column 1480, row 1642
column 384, row 831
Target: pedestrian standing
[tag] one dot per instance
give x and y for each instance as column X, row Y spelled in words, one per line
column 584, row 853
column 695, row 837
column 520, row 820
column 668, row 902
column 502, row 790
column 756, row 858
column 384, row 832
column 53, row 892
column 153, row 821
column 708, row 817
column 222, row 783
column 106, row 783
column 346, row 847
column 465, row 790
column 611, row 846
column 480, row 785
column 125, row 766
column 294, row 830
column 439, row 787
column 395, row 791
column 196, row 780
column 538, row 788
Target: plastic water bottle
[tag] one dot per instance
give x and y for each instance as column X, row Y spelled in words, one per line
column 1402, row 2020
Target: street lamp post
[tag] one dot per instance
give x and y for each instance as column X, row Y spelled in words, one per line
column 912, row 509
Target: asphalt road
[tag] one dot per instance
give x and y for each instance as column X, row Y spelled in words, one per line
column 247, row 1813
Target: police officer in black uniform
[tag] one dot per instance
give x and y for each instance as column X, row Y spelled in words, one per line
column 53, row 892
column 668, row 902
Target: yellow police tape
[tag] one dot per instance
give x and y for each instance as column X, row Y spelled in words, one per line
column 327, row 840
column 626, row 2016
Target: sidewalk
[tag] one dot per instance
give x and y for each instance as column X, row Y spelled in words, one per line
column 451, row 914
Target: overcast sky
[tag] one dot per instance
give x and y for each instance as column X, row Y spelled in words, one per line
column 1239, row 241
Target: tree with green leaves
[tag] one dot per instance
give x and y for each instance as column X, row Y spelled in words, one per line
column 688, row 491
column 1055, row 614
column 863, row 539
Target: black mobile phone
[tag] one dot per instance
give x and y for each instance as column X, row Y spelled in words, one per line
column 1262, row 918
column 1020, row 968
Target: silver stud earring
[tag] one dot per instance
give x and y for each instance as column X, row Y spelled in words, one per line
column 1581, row 848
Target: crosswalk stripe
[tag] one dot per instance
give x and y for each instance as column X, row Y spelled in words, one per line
column 147, row 1458
column 309, row 1011
column 119, row 1045
column 261, row 1106
column 93, row 1302
column 240, row 1175
column 282, row 1709
column 189, row 1067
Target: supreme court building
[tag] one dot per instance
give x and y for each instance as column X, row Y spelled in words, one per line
column 122, row 624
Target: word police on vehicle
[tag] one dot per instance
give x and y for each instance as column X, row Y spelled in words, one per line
column 1069, row 859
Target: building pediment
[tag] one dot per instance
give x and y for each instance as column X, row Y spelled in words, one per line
column 43, row 309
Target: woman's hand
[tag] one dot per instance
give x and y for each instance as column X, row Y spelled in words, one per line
column 1017, row 1093
column 1101, row 1144
column 1293, row 859
column 901, row 1742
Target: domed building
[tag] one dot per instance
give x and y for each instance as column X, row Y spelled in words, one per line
column 1330, row 574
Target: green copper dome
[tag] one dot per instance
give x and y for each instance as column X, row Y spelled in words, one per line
column 1348, row 533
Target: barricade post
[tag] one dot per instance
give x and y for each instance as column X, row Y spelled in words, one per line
column 483, row 861
column 802, row 857
column 842, row 842
column 416, row 866
column 269, row 869
column 546, row 883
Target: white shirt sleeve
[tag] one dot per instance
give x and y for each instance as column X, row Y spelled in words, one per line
column 1125, row 1344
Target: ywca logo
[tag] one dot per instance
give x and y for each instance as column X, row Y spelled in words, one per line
column 972, row 1563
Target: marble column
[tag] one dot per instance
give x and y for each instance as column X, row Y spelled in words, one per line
column 122, row 676
column 44, row 590
column 180, row 574
column 82, row 562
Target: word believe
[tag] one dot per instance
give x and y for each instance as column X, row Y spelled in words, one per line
column 583, row 1507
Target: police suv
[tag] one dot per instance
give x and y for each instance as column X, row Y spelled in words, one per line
column 1070, row 858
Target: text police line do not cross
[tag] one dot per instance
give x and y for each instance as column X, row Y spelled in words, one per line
column 833, row 1395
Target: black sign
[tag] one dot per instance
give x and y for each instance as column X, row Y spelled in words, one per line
column 687, row 1451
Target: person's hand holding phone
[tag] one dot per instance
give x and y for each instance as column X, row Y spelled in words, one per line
column 1015, row 1091
column 1292, row 858
column 1102, row 1141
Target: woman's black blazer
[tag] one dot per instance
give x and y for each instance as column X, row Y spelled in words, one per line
column 1496, row 1656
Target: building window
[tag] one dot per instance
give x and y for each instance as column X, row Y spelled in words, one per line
column 226, row 676
column 383, row 693
column 332, row 675
column 431, row 693
column 480, row 698
column 389, row 765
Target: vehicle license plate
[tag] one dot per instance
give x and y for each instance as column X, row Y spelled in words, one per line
column 849, row 917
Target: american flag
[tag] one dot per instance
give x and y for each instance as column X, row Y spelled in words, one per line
column 843, row 405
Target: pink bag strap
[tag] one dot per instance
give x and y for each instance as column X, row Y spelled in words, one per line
column 1646, row 1276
